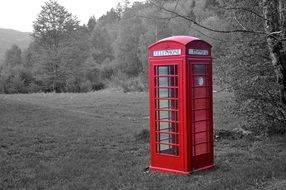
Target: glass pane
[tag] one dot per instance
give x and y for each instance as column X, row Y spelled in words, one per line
column 167, row 70
column 199, row 69
column 169, row 149
column 168, row 104
column 163, row 70
column 164, row 104
column 165, row 138
column 163, row 115
column 164, row 126
column 166, row 81
column 164, row 147
column 163, row 92
column 168, row 138
column 167, row 115
column 168, row 93
column 167, row 126
column 163, row 81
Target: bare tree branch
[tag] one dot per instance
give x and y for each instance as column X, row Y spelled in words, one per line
column 235, row 18
column 156, row 18
column 274, row 33
column 207, row 28
column 221, row 40
column 243, row 9
column 175, row 8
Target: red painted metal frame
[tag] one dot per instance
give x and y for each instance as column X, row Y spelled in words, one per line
column 185, row 162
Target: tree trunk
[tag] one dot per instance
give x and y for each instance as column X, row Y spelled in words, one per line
column 272, row 15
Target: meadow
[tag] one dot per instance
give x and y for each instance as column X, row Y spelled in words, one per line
column 98, row 140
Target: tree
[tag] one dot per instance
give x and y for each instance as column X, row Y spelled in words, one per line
column 127, row 43
column 103, row 35
column 91, row 24
column 13, row 56
column 249, row 70
column 54, row 25
column 15, row 78
column 53, row 29
column 275, row 27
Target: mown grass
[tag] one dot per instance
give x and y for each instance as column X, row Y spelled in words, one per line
column 98, row 141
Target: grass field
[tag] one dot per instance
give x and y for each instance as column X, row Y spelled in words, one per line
column 93, row 141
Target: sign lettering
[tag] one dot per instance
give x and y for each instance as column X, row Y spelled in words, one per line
column 167, row 52
column 198, row 52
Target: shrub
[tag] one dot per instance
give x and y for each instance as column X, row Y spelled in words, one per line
column 107, row 70
column 128, row 84
column 72, row 85
column 14, row 84
column 2, row 86
column 86, row 86
column 34, row 87
column 277, row 129
column 97, row 86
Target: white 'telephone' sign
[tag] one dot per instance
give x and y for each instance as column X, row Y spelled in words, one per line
column 198, row 52
column 167, row 52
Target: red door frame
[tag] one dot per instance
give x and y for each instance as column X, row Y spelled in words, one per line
column 162, row 162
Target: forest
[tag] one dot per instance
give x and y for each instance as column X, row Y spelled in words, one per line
column 248, row 39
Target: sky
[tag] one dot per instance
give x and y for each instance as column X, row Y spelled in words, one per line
column 20, row 14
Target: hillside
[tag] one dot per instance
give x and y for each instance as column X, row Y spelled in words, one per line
column 8, row 37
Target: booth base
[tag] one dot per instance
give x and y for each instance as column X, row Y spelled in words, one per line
column 166, row 170
column 178, row 172
column 204, row 168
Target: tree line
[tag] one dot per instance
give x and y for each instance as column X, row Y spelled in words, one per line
column 68, row 57
column 248, row 39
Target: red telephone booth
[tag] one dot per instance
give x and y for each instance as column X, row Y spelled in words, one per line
column 181, row 111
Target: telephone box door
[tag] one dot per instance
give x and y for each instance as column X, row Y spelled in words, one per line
column 166, row 129
column 201, row 110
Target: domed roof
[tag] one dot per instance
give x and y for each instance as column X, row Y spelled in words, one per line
column 181, row 39
column 184, row 40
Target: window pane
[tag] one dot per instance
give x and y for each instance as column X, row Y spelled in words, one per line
column 163, row 81
column 163, row 70
column 166, row 81
column 168, row 138
column 168, row 104
column 163, row 115
column 167, row 115
column 164, row 126
column 167, row 70
column 168, row 92
column 199, row 69
column 167, row 126
column 169, row 149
